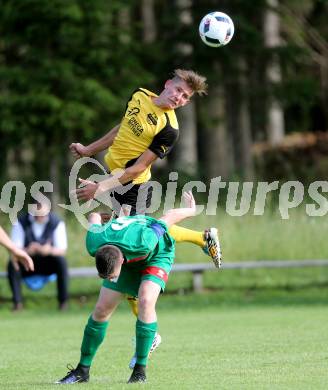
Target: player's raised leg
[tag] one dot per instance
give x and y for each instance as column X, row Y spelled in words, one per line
column 208, row 240
column 94, row 334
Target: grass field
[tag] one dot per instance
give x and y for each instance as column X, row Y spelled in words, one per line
column 207, row 344
column 243, row 238
column 252, row 329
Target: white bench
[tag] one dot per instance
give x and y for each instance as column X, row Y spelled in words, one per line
column 198, row 269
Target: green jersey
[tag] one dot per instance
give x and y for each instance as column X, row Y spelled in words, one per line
column 146, row 245
column 136, row 236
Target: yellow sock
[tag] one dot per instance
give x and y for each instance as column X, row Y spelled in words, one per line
column 133, row 302
column 181, row 234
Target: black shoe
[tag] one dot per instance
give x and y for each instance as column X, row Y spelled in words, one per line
column 75, row 375
column 138, row 374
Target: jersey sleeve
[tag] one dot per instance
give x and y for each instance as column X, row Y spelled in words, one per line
column 95, row 238
column 164, row 141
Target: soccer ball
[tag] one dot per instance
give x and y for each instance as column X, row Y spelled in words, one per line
column 216, row 29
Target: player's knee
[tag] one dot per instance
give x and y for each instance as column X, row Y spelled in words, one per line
column 146, row 303
column 101, row 312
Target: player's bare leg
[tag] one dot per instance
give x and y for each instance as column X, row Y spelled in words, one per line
column 146, row 327
column 133, row 302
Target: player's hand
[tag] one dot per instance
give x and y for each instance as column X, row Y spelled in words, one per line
column 78, row 150
column 95, row 218
column 18, row 255
column 87, row 190
column 190, row 202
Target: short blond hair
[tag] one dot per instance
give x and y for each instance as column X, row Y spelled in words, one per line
column 195, row 81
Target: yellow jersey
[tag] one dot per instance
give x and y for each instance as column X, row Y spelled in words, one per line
column 144, row 126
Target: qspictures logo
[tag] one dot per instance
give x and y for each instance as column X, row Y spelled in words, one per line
column 240, row 198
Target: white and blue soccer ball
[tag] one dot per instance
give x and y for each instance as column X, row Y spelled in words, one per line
column 216, row 29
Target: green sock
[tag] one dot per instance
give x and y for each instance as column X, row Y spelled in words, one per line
column 145, row 334
column 94, row 334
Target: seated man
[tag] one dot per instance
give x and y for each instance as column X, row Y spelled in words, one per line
column 43, row 236
column 134, row 255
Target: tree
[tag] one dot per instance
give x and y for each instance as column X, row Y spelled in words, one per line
column 306, row 28
column 185, row 152
column 61, row 76
column 272, row 41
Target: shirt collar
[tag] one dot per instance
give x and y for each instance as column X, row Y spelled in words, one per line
column 33, row 220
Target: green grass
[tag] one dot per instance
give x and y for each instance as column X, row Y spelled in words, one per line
column 243, row 238
column 208, row 343
column 258, row 329
column 308, row 284
column 263, row 237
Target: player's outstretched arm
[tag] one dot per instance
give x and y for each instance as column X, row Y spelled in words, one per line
column 78, row 150
column 174, row 216
column 89, row 189
column 17, row 254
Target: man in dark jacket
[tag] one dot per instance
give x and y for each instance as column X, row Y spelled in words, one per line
column 43, row 236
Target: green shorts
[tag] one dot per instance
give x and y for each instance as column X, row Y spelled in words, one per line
column 156, row 268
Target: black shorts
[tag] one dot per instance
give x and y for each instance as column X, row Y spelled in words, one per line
column 138, row 197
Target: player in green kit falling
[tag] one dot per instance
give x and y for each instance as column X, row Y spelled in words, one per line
column 134, row 255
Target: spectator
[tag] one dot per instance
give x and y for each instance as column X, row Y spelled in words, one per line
column 43, row 236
